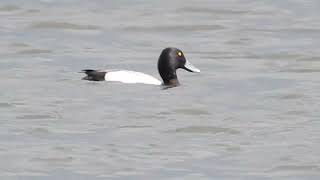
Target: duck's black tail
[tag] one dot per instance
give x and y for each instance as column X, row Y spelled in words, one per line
column 93, row 75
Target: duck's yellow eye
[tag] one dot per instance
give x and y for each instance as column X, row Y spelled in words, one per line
column 179, row 53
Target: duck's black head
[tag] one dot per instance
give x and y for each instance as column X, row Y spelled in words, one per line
column 169, row 61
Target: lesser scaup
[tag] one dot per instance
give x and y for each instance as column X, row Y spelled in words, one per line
column 169, row 61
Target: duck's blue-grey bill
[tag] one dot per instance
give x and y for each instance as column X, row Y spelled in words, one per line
column 189, row 67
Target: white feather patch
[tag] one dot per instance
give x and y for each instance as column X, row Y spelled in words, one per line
column 125, row 76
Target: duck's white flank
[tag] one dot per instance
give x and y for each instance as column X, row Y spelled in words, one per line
column 125, row 76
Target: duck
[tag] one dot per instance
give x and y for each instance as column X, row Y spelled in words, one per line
column 169, row 61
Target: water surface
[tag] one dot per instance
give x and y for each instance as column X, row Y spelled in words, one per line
column 252, row 112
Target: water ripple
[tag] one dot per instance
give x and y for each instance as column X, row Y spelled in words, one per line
column 34, row 51
column 9, row 8
column 206, row 130
column 174, row 28
column 5, row 105
column 295, row 168
column 190, row 111
column 35, row 116
column 63, row 25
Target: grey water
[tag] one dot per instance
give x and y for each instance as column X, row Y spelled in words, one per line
column 252, row 112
